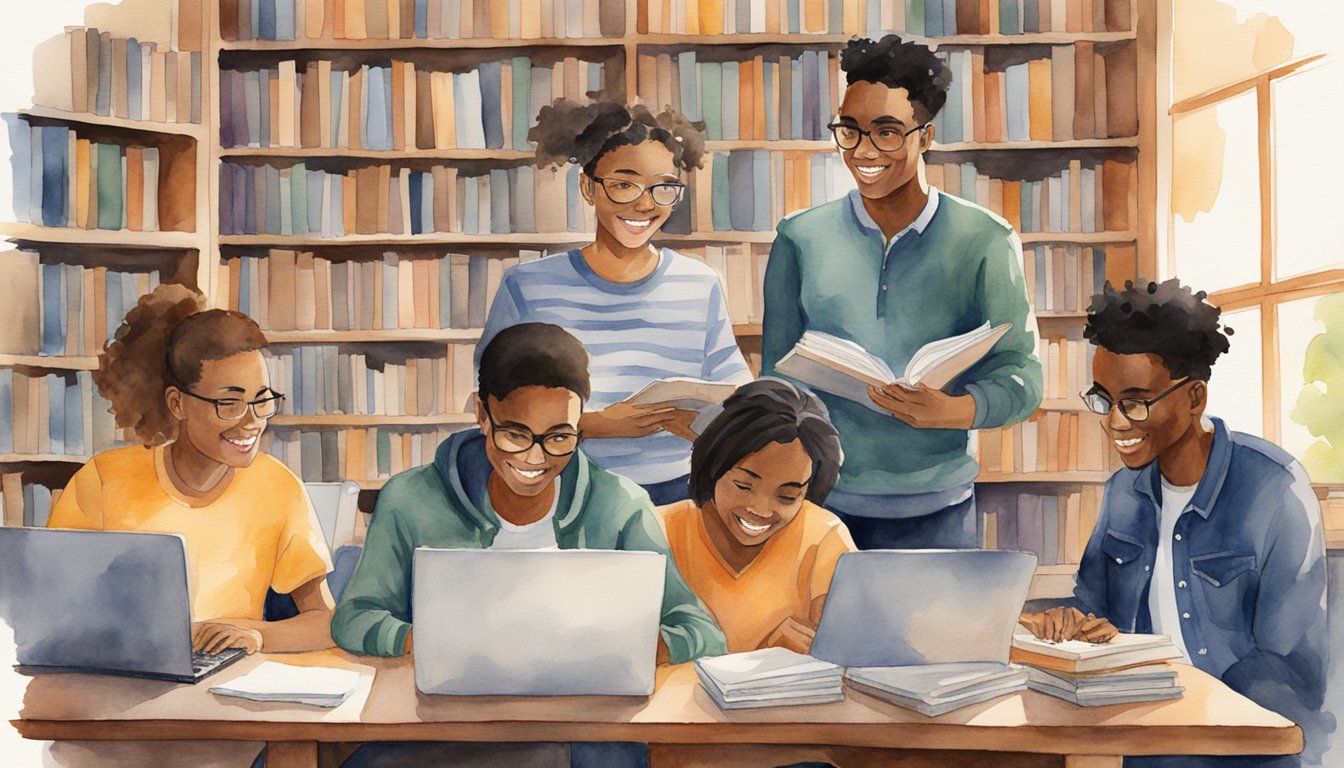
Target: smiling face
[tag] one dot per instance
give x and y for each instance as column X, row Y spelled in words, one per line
column 631, row 224
column 1144, row 377
column 887, row 113
column 238, row 377
column 535, row 410
column 763, row 492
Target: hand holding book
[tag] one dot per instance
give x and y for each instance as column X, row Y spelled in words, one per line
column 1061, row 624
column 925, row 408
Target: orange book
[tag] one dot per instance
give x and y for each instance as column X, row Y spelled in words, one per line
column 772, row 16
column 335, row 25
column 100, row 303
column 647, row 80
column 1040, row 106
column 499, row 18
column 1084, row 97
column 355, row 28
column 283, row 290
column 1012, row 203
column 420, row 293
column 384, row 194
column 354, row 112
column 641, row 17
column 82, row 175
column 758, row 105
column 349, row 211
column 711, row 16
column 305, row 292
column 529, row 23
column 979, row 96
column 1115, row 203
column 814, row 16
column 355, row 465
column 93, row 307
column 314, row 17
column 135, row 189
column 376, row 18
column 851, row 20
column 310, row 107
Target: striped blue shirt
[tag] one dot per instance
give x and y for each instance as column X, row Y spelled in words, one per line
column 672, row 323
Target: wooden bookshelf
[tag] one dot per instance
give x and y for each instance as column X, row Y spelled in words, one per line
column 62, row 363
column 118, row 238
column 411, row 45
column 341, row 420
column 440, row 335
column 1044, row 477
column 945, row 41
column 190, row 130
column 377, row 154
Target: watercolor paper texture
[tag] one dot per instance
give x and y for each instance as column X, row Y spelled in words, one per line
column 351, row 177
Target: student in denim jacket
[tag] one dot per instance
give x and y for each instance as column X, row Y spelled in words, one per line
column 1210, row 536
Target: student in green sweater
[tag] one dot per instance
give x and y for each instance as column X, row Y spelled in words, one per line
column 892, row 266
column 517, row 482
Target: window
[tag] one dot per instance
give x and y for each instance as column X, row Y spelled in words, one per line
column 1257, row 189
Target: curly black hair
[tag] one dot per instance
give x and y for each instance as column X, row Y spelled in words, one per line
column 1166, row 319
column 568, row 131
column 758, row 413
column 533, row 355
column 899, row 64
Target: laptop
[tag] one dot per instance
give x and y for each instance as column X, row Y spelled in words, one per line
column 536, row 622
column 107, row 602
column 895, row 608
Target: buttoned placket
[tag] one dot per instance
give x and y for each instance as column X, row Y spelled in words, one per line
column 882, row 278
column 1180, row 562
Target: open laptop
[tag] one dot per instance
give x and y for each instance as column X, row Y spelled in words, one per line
column 536, row 622
column 107, row 602
column 891, row 608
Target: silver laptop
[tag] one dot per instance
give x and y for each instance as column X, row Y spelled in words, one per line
column 101, row 601
column 891, row 608
column 536, row 622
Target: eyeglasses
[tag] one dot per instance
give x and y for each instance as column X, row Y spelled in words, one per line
column 621, row 192
column 233, row 409
column 513, row 439
column 1132, row 408
column 885, row 139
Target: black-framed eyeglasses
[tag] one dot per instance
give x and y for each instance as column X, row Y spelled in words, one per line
column 233, row 408
column 1132, row 408
column 512, row 439
column 621, row 192
column 884, row 138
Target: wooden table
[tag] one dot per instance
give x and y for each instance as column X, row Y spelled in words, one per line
column 681, row 723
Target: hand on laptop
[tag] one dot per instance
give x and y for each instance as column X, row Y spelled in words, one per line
column 1060, row 624
column 792, row 634
column 214, row 636
column 925, row 408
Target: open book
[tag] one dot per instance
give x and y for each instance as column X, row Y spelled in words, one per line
column 841, row 367
column 1076, row 656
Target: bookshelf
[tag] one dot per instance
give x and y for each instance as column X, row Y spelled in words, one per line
column 1051, row 125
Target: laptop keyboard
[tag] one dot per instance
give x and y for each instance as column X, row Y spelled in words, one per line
column 202, row 663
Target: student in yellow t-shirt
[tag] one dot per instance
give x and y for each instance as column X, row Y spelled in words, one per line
column 752, row 541
column 194, row 388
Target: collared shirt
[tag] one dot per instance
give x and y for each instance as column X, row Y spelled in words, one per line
column 1248, row 561
column 921, row 221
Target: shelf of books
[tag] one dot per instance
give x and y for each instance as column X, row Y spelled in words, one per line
column 359, row 173
column 107, row 203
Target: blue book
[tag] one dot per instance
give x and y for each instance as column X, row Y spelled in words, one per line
column 417, row 226
column 470, row 205
column 20, row 163
column 245, row 278
column 478, row 277
column 1031, row 18
column 1017, row 92
column 690, row 100
column 1089, row 199
column 540, row 97
column 445, row 292
column 874, row 21
column 711, row 99
column 244, row 199
column 796, row 99
column 103, row 101
column 41, row 505
column 377, row 128
column 110, row 186
column 968, row 184
column 273, row 201
column 295, row 382
column 312, row 185
column 820, row 174
column 298, row 199
column 7, row 409
column 1040, row 257
column 253, row 105
column 823, row 113
column 285, row 22
column 492, row 115
column 760, row 174
column 1098, row 272
column 310, row 457
column 574, row 208
column 597, row 76
column 35, row 180
column 312, row 377
column 427, row 202
column 933, row 18
column 721, row 201
column 835, row 18
column 55, row 175
column 390, row 296
column 950, row 18
column 53, row 310
column 795, row 15
column 56, row 413
column 768, row 94
column 133, row 92
column 811, row 101
column 337, row 107
column 731, row 101
column 742, row 188
column 1009, row 21
column 422, row 18
column 953, row 130
column 74, row 413
column 500, row 223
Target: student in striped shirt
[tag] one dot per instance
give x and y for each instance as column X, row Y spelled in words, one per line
column 643, row 313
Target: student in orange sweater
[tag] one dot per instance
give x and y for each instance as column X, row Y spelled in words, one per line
column 194, row 388
column 752, row 541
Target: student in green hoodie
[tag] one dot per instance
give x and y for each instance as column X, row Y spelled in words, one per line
column 517, row 482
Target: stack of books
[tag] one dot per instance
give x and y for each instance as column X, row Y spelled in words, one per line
column 1129, row 668
column 770, row 677
column 935, row 689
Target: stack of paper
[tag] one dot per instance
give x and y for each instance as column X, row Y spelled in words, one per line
column 934, row 689
column 1148, row 682
column 1076, row 656
column 770, row 677
column 272, row 681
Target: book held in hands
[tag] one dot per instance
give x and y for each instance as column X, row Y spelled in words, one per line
column 844, row 368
